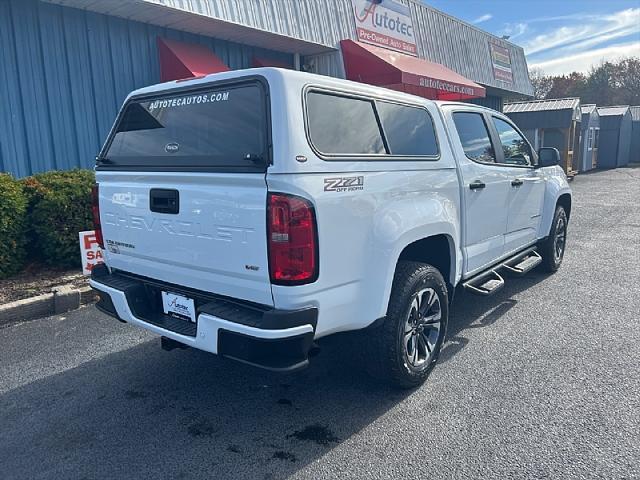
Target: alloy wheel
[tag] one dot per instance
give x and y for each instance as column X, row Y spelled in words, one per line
column 560, row 239
column 422, row 328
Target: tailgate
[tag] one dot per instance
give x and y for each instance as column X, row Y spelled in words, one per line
column 182, row 188
column 215, row 242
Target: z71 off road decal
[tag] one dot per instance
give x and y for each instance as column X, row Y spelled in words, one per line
column 343, row 184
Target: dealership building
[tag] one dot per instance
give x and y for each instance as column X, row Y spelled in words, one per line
column 67, row 65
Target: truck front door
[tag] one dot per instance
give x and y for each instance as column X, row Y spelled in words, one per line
column 526, row 193
column 485, row 190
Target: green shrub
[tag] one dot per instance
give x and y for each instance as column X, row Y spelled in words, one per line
column 59, row 205
column 13, row 208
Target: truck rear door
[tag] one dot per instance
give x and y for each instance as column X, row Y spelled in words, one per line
column 182, row 189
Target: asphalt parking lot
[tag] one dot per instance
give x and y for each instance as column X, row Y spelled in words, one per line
column 540, row 381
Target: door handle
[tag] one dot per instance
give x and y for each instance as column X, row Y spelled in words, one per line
column 162, row 200
column 516, row 182
column 477, row 185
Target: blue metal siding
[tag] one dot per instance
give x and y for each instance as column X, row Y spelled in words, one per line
column 67, row 71
column 615, row 139
column 634, row 154
column 13, row 142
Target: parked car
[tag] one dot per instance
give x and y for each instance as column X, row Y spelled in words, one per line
column 250, row 213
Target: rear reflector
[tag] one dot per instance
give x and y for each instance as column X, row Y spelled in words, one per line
column 95, row 209
column 293, row 245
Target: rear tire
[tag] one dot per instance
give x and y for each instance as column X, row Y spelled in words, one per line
column 553, row 247
column 405, row 348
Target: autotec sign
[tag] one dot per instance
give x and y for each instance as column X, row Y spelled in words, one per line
column 385, row 23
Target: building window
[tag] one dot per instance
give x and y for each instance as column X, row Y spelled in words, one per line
column 474, row 136
column 590, row 139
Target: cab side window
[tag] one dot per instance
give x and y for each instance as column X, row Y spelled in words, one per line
column 474, row 135
column 343, row 125
column 409, row 130
column 514, row 146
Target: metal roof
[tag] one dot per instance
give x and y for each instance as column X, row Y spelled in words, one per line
column 613, row 111
column 205, row 20
column 312, row 27
column 635, row 113
column 542, row 105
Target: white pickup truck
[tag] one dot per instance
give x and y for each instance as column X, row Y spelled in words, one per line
column 250, row 213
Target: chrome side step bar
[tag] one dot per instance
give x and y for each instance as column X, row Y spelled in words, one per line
column 525, row 264
column 490, row 281
column 485, row 284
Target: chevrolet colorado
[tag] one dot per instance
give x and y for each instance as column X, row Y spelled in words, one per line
column 250, row 213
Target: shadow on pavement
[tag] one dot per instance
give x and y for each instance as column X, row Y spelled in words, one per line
column 144, row 412
column 473, row 311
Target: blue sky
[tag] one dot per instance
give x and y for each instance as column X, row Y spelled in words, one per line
column 558, row 36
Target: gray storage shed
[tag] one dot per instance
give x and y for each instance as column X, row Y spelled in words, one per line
column 634, row 155
column 615, row 136
column 551, row 123
column 589, row 137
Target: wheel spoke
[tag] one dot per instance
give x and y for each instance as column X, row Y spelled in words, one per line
column 408, row 327
column 415, row 310
column 435, row 318
column 427, row 302
column 423, row 345
column 414, row 356
column 430, row 327
column 425, row 340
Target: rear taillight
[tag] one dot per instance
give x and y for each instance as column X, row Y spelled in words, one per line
column 293, row 244
column 95, row 209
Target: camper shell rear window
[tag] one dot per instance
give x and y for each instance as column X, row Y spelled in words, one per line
column 222, row 128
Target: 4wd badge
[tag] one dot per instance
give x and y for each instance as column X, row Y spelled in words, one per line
column 343, row 184
column 172, row 147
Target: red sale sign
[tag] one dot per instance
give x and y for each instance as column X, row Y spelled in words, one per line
column 90, row 251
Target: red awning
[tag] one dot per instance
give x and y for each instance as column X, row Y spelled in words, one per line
column 268, row 62
column 184, row 60
column 377, row 66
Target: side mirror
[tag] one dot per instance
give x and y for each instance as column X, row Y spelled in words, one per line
column 548, row 157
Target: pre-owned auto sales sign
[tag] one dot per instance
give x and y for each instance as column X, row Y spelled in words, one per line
column 385, row 23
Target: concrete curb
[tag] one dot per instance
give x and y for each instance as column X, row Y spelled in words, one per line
column 62, row 299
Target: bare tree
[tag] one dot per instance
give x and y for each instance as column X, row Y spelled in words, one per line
column 610, row 83
column 542, row 84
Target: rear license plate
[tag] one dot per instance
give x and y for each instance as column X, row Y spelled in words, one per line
column 179, row 306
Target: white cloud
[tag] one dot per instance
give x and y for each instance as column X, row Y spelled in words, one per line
column 483, row 18
column 591, row 31
column 582, row 62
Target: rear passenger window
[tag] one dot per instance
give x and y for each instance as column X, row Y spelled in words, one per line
column 409, row 130
column 474, row 136
column 343, row 125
